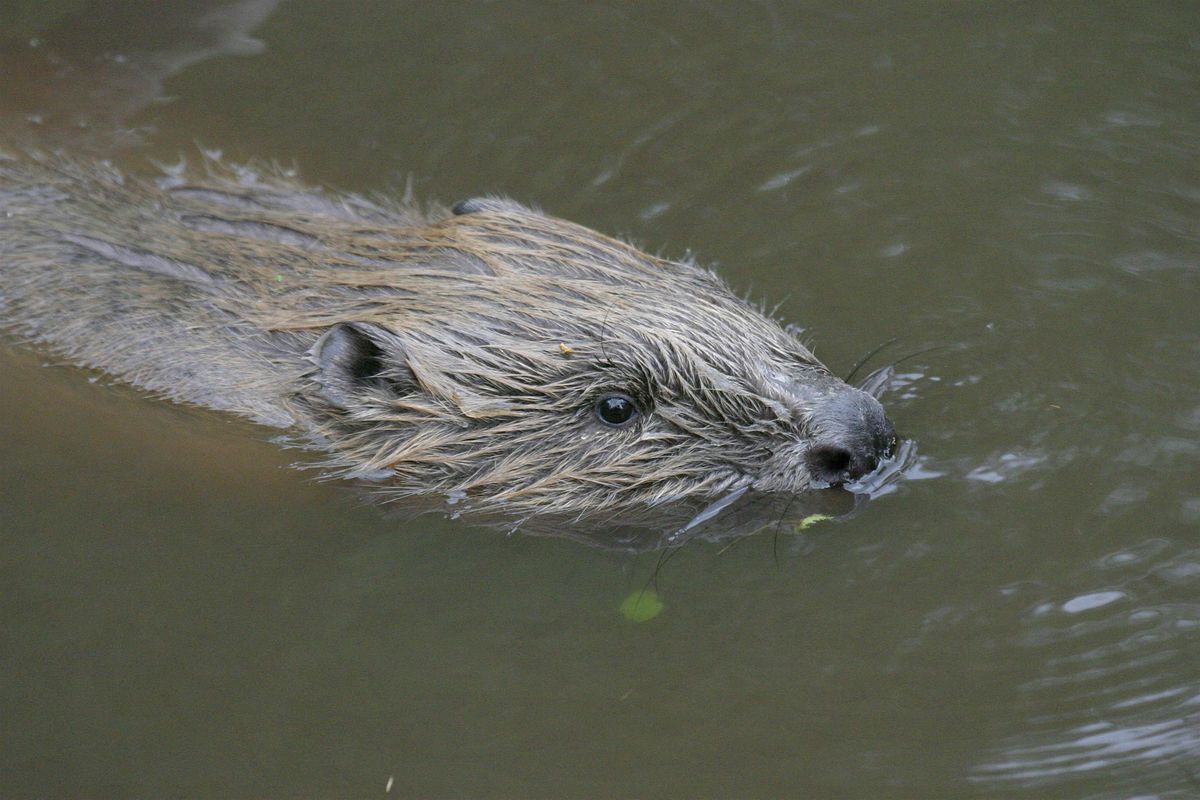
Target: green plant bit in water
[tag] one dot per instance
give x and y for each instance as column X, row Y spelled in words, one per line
column 810, row 520
column 641, row 605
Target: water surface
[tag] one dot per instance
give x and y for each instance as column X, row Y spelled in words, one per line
column 1016, row 186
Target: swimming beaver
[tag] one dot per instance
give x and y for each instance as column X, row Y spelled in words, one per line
column 490, row 353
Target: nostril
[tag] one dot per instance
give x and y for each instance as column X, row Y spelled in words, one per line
column 851, row 435
column 830, row 463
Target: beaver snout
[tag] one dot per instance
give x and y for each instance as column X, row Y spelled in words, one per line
column 855, row 436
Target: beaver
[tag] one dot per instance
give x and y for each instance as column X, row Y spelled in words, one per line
column 487, row 353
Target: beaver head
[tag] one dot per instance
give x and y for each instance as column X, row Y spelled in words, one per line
column 511, row 359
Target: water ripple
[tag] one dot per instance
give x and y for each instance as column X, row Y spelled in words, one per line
column 1116, row 698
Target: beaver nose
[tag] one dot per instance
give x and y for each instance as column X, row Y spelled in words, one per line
column 855, row 435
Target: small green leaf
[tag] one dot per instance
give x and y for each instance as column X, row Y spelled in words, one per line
column 278, row 278
column 641, row 606
column 810, row 520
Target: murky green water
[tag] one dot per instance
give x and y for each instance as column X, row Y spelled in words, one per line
column 1016, row 185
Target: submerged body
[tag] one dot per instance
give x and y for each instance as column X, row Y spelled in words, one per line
column 490, row 353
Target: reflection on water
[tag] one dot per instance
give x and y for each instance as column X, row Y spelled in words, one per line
column 737, row 515
column 1012, row 192
column 75, row 83
column 1116, row 696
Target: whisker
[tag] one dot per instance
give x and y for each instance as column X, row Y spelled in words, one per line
column 867, row 358
column 778, row 525
column 873, row 384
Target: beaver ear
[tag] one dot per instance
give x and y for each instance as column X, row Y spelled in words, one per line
column 476, row 205
column 353, row 358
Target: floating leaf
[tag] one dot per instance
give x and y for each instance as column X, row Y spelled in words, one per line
column 641, row 605
column 810, row 520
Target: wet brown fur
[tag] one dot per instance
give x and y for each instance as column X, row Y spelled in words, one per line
column 489, row 335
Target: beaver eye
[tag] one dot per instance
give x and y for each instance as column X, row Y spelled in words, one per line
column 616, row 410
